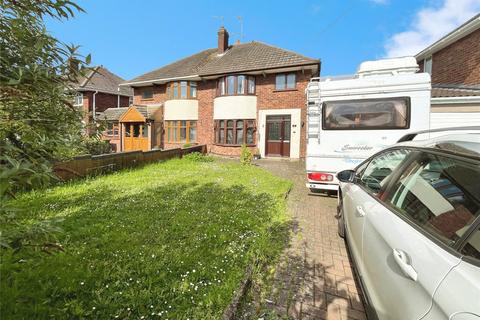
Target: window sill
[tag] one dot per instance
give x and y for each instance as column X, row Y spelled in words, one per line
column 182, row 142
column 236, row 95
column 284, row 90
column 233, row 145
column 170, row 99
column 147, row 99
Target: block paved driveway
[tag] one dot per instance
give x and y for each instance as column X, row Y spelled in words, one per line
column 314, row 279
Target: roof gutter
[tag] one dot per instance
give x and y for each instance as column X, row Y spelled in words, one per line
column 125, row 84
column 453, row 36
column 314, row 64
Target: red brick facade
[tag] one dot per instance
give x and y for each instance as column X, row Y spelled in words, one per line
column 267, row 98
column 458, row 63
column 159, row 95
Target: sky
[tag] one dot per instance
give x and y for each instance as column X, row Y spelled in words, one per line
column 133, row 37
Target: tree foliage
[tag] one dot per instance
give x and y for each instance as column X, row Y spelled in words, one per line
column 38, row 122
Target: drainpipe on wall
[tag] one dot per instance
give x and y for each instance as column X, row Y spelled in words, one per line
column 118, row 98
column 94, row 109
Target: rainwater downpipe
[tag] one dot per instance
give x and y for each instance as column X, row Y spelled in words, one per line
column 94, row 108
column 118, row 98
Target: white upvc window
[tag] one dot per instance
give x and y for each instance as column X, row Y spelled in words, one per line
column 427, row 65
column 78, row 100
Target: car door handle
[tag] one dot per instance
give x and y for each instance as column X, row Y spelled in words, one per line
column 360, row 211
column 401, row 258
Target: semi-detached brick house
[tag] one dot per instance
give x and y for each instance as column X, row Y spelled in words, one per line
column 454, row 64
column 249, row 93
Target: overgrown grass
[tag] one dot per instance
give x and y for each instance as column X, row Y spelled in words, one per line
column 171, row 240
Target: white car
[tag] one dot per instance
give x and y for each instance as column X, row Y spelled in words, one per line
column 410, row 215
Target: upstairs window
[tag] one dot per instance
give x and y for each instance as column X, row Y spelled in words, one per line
column 285, row 81
column 236, row 85
column 78, row 99
column 147, row 94
column 182, row 90
column 427, row 65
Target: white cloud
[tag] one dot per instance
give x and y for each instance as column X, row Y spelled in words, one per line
column 429, row 25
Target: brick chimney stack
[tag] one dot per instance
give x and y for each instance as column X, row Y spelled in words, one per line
column 222, row 40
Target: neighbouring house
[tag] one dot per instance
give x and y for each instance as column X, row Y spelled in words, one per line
column 245, row 93
column 454, row 65
column 98, row 91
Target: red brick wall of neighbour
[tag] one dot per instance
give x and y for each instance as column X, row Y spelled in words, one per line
column 459, row 63
column 103, row 101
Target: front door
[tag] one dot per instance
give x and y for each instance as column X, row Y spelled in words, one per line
column 278, row 136
column 135, row 136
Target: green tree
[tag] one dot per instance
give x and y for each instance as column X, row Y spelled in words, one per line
column 38, row 122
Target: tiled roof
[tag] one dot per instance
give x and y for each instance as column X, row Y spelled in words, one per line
column 238, row 58
column 182, row 68
column 114, row 114
column 253, row 56
column 147, row 111
column 101, row 79
column 454, row 90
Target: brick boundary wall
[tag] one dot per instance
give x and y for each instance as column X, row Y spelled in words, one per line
column 89, row 165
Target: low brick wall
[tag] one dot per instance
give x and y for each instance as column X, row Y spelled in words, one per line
column 89, row 165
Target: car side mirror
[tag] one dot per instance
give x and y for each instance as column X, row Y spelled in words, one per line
column 346, row 176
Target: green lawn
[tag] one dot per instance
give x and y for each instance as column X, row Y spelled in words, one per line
column 170, row 240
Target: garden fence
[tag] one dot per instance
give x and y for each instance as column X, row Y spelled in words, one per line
column 89, row 165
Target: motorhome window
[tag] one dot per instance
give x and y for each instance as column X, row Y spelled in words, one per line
column 391, row 113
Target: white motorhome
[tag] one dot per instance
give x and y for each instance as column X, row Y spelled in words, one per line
column 350, row 118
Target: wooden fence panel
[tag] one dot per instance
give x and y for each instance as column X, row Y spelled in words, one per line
column 88, row 165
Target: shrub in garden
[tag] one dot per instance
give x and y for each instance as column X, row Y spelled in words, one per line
column 96, row 146
column 39, row 122
column 246, row 155
column 198, row 157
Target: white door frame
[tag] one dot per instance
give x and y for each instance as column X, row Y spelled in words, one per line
column 296, row 123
